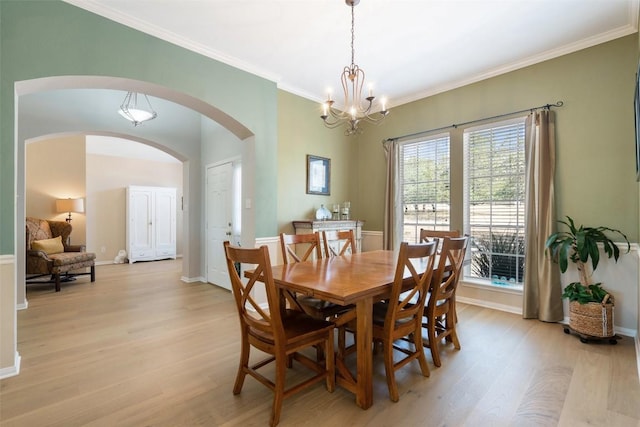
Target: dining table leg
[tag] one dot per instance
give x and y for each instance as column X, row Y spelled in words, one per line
column 364, row 340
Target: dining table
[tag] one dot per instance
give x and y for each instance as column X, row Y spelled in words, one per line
column 359, row 279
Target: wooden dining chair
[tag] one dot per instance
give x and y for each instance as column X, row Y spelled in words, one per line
column 291, row 245
column 439, row 312
column 338, row 243
column 400, row 317
column 438, row 236
column 277, row 331
column 310, row 305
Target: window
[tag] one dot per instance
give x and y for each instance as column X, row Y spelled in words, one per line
column 424, row 185
column 494, row 194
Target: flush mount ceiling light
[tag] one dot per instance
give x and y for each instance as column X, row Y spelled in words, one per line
column 355, row 108
column 136, row 112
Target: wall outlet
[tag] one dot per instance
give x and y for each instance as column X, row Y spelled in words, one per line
column 103, row 249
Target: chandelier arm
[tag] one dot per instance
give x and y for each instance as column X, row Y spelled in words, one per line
column 358, row 83
column 333, row 124
column 338, row 115
column 372, row 119
column 344, row 80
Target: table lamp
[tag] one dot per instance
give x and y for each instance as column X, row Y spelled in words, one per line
column 70, row 205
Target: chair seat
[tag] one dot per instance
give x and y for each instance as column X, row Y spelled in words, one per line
column 322, row 309
column 297, row 325
column 380, row 312
column 65, row 258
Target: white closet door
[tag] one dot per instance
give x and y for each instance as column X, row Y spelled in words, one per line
column 165, row 223
column 140, row 225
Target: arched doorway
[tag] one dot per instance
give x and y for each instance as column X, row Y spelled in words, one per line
column 33, row 124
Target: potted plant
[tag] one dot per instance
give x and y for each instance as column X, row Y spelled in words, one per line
column 590, row 306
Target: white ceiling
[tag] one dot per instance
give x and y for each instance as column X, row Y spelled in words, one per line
column 409, row 48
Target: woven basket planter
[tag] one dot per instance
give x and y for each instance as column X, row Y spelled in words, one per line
column 593, row 319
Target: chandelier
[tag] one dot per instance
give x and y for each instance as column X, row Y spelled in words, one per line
column 356, row 109
column 134, row 112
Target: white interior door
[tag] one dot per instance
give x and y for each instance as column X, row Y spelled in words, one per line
column 165, row 222
column 219, row 222
column 140, row 224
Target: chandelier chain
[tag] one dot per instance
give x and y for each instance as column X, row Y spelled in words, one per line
column 353, row 35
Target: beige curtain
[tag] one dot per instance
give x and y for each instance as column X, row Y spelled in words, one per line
column 388, row 233
column 542, row 289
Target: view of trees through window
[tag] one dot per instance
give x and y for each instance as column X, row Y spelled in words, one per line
column 494, row 202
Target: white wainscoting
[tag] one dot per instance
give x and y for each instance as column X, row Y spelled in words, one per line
column 9, row 356
column 371, row 240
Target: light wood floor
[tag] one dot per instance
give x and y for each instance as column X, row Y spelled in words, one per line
column 141, row 348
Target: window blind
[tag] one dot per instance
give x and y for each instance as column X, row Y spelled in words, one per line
column 494, row 172
column 425, row 185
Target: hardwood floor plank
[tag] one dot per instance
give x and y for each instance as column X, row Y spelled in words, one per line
column 140, row 347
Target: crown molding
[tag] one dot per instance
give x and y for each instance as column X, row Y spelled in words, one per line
column 168, row 36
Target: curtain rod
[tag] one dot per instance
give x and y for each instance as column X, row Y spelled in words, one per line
column 456, row 125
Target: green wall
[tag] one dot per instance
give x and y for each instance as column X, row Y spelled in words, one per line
column 595, row 167
column 301, row 132
column 51, row 38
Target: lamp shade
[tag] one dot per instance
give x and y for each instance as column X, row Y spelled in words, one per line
column 70, row 205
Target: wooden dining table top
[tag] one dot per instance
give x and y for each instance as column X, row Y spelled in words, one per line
column 341, row 280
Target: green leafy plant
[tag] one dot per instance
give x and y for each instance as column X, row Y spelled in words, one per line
column 579, row 245
column 500, row 255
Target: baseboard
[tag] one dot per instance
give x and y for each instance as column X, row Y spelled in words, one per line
column 617, row 329
column 638, row 353
column 193, row 279
column 11, row 371
column 488, row 304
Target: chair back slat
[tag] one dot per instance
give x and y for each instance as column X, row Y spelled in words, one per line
column 289, row 243
column 409, row 293
column 338, row 243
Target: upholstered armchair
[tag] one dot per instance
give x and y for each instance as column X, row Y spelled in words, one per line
column 49, row 252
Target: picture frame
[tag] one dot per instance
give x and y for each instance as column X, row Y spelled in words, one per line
column 636, row 107
column 318, row 175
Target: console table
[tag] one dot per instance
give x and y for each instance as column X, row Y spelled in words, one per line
column 306, row 227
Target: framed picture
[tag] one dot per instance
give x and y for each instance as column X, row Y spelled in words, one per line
column 318, row 175
column 636, row 107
